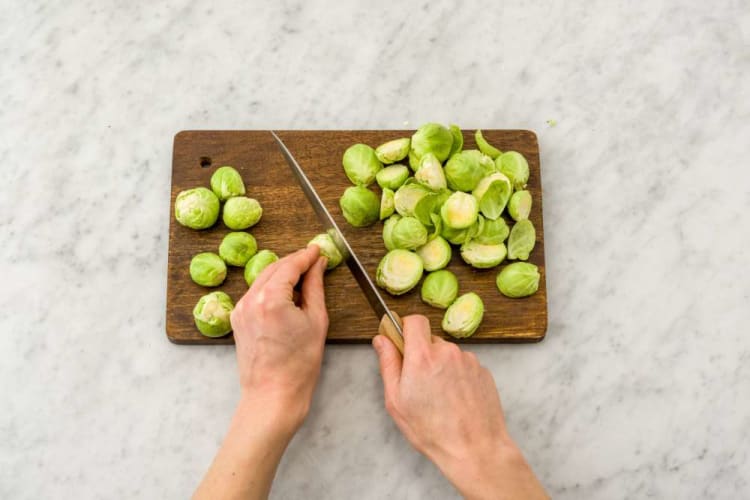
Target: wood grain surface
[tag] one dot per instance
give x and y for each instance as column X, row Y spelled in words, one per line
column 289, row 222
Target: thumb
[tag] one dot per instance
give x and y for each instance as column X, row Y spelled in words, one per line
column 390, row 364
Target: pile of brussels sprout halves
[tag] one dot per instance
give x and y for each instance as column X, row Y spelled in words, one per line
column 446, row 196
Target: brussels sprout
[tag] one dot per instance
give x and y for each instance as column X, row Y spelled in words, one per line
column 196, row 208
column 388, row 226
column 399, row 271
column 207, row 269
column 463, row 171
column 515, row 167
column 482, row 256
column 493, row 193
column 437, row 226
column 393, row 151
column 463, row 317
column 415, row 200
column 361, row 164
column 227, row 182
column 360, row 206
column 392, row 177
column 493, row 232
column 458, row 140
column 257, row 264
column 519, row 279
column 485, row 146
column 413, row 160
column 459, row 211
column 432, row 138
column 211, row 314
column 408, row 233
column 430, row 173
column 387, row 204
column 439, row 289
column 241, row 212
column 521, row 240
column 461, row 236
column 237, row 248
column 519, row 206
column 435, row 254
column 328, row 249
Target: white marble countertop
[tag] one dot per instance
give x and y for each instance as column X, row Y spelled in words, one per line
column 641, row 387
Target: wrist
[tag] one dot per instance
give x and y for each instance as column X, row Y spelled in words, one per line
column 278, row 414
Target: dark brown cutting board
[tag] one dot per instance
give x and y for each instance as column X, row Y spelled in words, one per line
column 289, row 222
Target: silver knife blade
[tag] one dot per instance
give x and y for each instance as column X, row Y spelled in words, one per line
column 355, row 266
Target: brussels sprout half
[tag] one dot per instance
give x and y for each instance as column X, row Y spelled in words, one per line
column 237, row 248
column 388, row 226
column 393, row 151
column 439, row 289
column 459, row 211
column 408, row 233
column 435, row 254
column 521, row 240
column 515, row 167
column 257, row 264
column 387, row 204
column 241, row 212
column 226, row 182
column 430, row 173
column 493, row 193
column 208, row 269
column 399, row 271
column 196, row 208
column 360, row 206
column 361, row 164
column 519, row 205
column 493, row 232
column 211, row 314
column 483, row 256
column 463, row 317
column 392, row 177
column 328, row 249
column 415, row 200
column 519, row 279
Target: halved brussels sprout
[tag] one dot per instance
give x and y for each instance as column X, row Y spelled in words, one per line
column 388, row 226
column 328, row 249
column 483, row 256
column 459, row 211
column 208, row 269
column 485, row 147
column 519, row 206
column 458, row 140
column 430, row 173
column 432, row 138
column 392, row 177
column 439, row 289
column 361, row 164
column 257, row 264
column 393, row 151
column 515, row 167
column 408, row 233
column 435, row 254
column 237, row 248
column 493, row 193
column 437, row 226
column 519, row 279
column 521, row 240
column 241, row 212
column 227, row 182
column 464, row 316
column 463, row 171
column 413, row 160
column 196, row 208
column 399, row 271
column 360, row 206
column 493, row 232
column 211, row 314
column 461, row 236
column 387, row 204
column 415, row 200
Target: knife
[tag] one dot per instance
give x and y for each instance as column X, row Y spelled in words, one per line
column 390, row 323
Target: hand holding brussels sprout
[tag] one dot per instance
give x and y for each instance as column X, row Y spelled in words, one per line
column 328, row 249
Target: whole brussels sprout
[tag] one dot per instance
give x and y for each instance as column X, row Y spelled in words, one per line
column 515, row 167
column 360, row 206
column 519, row 206
column 415, row 200
column 208, row 269
column 521, row 240
column 463, row 171
column 387, row 204
column 519, row 279
column 257, row 264
column 435, row 254
column 439, row 289
column 211, row 314
column 459, row 211
column 241, row 212
column 493, row 193
column 399, row 271
column 493, row 232
column 392, row 177
column 486, row 164
column 237, row 248
column 430, row 173
column 432, row 138
column 226, row 182
column 482, row 256
column 458, row 140
column 485, row 146
column 328, row 249
column 361, row 164
column 388, row 226
column 393, row 151
column 408, row 233
column 463, row 317
column 196, row 208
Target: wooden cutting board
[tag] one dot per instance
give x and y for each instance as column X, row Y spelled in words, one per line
column 289, row 222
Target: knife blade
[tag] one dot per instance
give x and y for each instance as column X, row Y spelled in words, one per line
column 372, row 294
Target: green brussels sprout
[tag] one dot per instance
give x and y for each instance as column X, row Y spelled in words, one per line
column 493, row 193
column 393, row 151
column 430, row 173
column 437, row 226
column 387, row 204
column 435, row 254
column 415, row 200
column 461, row 236
column 388, row 226
column 482, row 256
column 328, row 249
column 439, row 289
column 459, row 211
column 392, row 177
column 226, row 182
column 257, row 264
column 432, row 138
column 493, row 232
column 519, row 205
column 361, row 164
column 413, row 160
column 408, row 233
column 241, row 212
column 485, row 146
column 463, row 171
column 211, row 314
column 208, row 269
column 237, row 248
column 462, row 318
column 360, row 206
column 519, row 279
column 458, row 140
column 399, row 271
column 515, row 167
column 196, row 208
column 521, row 240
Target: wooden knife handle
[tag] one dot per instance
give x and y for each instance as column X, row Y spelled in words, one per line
column 387, row 329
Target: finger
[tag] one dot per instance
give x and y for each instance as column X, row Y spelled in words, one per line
column 417, row 336
column 293, row 266
column 313, row 293
column 262, row 278
column 390, row 365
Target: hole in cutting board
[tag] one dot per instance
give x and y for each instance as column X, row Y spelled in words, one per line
column 205, row 161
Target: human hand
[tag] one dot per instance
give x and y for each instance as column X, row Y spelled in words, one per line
column 447, row 406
